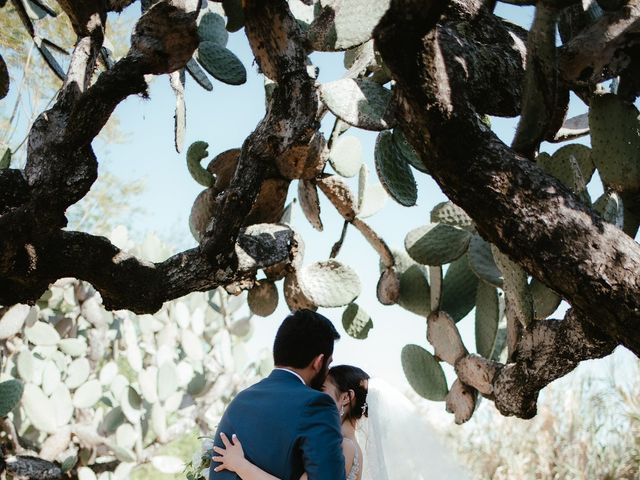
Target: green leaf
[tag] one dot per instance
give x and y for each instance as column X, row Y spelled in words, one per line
column 356, row 321
column 459, row 289
column 394, row 173
column 211, row 29
column 221, row 63
column 436, row 243
column 10, row 395
column 424, row 373
column 487, row 318
column 362, row 103
column 196, row 152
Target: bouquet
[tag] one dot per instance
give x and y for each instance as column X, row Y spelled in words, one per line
column 198, row 467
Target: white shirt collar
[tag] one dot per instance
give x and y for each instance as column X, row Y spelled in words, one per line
column 291, row 372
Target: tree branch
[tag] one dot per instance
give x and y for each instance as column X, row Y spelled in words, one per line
column 550, row 350
column 113, row 272
column 526, row 213
column 603, row 50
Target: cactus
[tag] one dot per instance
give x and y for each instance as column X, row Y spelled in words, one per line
column 195, row 154
column 562, row 165
column 487, row 319
column 610, row 207
column 516, row 289
column 10, row 394
column 211, row 29
column 362, row 103
column 424, row 373
column 329, row 283
column 346, row 156
column 451, row 214
column 406, row 151
column 459, row 289
column 436, row 243
column 482, row 263
column 235, row 14
column 221, row 63
column 263, row 298
column 345, row 24
column 356, row 321
column 65, row 382
column 371, row 198
column 394, row 172
column 615, row 142
column 545, row 300
column 198, row 74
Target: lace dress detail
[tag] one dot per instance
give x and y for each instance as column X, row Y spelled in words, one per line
column 355, row 467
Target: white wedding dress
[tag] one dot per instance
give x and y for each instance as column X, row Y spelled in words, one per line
column 397, row 442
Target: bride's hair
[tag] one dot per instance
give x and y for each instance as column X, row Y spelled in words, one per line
column 348, row 377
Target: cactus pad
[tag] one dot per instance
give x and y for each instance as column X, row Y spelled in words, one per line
column 545, row 300
column 371, row 198
column 361, row 103
column 459, row 289
column 198, row 74
column 356, row 321
column 394, row 172
column 10, row 394
column 221, row 63
column 615, row 140
column 436, row 243
column 516, row 288
column 561, row 166
column 415, row 294
column 344, row 24
column 346, row 156
column 235, row 14
column 424, row 373
column 211, row 29
column 294, row 296
column 482, row 263
column 487, row 319
column 329, row 283
column 461, row 401
column 263, row 298
column 451, row 214
column 443, row 334
column 388, row 288
column 195, row 154
column 404, row 149
column 610, row 207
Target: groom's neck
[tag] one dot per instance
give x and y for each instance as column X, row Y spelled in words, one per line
column 305, row 373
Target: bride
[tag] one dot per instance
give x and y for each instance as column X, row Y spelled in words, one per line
column 398, row 444
column 348, row 386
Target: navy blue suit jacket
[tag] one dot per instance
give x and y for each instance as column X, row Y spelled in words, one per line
column 286, row 429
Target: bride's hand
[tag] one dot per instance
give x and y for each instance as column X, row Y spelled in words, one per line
column 231, row 457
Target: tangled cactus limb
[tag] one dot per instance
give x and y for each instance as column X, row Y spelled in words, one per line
column 443, row 334
column 461, row 401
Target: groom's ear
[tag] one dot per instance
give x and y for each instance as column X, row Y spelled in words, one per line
column 317, row 363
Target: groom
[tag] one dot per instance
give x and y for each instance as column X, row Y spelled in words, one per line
column 286, row 425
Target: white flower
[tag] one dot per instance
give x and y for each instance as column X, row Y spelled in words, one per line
column 207, row 445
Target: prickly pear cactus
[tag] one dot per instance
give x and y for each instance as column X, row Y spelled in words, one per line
column 84, row 386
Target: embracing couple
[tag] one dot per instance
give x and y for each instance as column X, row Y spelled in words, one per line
column 300, row 421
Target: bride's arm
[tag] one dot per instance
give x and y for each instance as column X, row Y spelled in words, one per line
column 232, row 458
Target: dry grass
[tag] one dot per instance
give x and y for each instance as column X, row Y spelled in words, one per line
column 587, row 427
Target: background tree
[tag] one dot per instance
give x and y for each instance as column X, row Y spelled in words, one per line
column 425, row 76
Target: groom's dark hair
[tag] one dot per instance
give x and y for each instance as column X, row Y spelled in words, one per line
column 303, row 336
